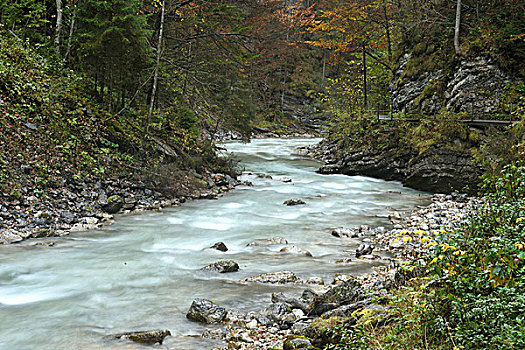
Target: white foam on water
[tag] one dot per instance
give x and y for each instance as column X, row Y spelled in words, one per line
column 210, row 225
column 334, row 185
column 176, row 220
column 233, row 205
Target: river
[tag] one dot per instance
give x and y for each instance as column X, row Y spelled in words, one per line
column 143, row 272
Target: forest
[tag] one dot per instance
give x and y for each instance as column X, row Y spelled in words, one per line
column 115, row 106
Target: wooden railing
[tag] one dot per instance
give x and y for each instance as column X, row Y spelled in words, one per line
column 479, row 119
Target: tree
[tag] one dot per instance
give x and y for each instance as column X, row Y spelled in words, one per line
column 58, row 27
column 457, row 48
column 157, row 64
column 112, row 46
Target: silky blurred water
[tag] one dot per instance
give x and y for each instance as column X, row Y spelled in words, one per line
column 143, row 272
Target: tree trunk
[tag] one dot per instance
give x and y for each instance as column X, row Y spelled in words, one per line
column 157, row 65
column 457, row 48
column 58, row 27
column 71, row 30
column 365, row 94
column 387, row 32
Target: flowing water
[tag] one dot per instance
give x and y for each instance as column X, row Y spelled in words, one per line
column 143, row 272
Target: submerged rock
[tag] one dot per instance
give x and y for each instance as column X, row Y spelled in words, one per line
column 145, row 337
column 291, row 202
column 222, row 266
column 205, row 311
column 274, row 277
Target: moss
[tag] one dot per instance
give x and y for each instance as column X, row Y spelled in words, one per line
column 369, row 316
column 289, row 345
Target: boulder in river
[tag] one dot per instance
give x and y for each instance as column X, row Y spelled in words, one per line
column 363, row 249
column 145, row 337
column 219, row 246
column 205, row 311
column 268, row 241
column 291, row 202
column 222, row 266
column 274, row 277
column 295, row 250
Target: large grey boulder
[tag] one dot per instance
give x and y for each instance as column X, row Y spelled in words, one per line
column 343, row 294
column 205, row 311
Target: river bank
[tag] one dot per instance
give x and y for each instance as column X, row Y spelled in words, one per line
column 300, row 321
column 82, row 205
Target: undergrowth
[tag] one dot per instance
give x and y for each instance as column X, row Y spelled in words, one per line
column 471, row 293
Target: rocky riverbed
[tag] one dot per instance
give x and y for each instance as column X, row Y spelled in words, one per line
column 293, row 322
column 81, row 205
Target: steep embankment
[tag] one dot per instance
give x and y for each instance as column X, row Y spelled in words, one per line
column 438, row 170
column 440, row 154
column 66, row 163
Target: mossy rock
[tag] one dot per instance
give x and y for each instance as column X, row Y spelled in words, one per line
column 294, row 342
column 319, row 331
column 372, row 316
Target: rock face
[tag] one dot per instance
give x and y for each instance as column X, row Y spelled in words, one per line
column 474, row 85
column 223, row 266
column 145, row 337
column 205, row 311
column 435, row 170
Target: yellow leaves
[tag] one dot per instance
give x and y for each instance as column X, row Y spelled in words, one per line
column 431, row 244
column 425, row 239
column 519, row 245
column 520, row 219
column 407, row 239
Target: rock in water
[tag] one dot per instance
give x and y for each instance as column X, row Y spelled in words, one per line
column 220, row 246
column 295, row 250
column 274, row 277
column 363, row 249
column 205, row 311
column 268, row 241
column 145, row 337
column 291, row 202
column 223, row 266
